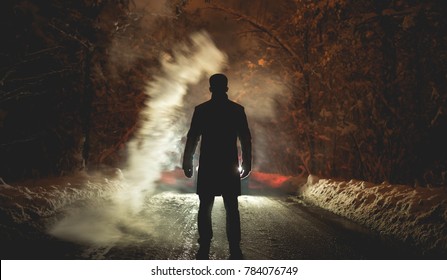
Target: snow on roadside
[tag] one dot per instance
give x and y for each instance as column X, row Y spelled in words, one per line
column 24, row 202
column 413, row 214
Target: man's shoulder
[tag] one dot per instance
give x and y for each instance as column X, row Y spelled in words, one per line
column 209, row 104
column 202, row 108
column 203, row 105
column 236, row 105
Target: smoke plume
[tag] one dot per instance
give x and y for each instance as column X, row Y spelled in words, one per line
column 161, row 130
column 149, row 152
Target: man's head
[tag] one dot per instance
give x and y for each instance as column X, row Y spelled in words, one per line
column 218, row 83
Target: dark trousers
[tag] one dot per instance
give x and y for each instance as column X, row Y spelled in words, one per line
column 233, row 222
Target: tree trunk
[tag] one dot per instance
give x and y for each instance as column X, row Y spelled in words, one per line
column 86, row 110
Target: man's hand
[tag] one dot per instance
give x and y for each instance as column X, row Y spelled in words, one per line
column 188, row 172
column 187, row 169
column 246, row 169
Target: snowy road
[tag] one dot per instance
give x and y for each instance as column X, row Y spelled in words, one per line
column 273, row 227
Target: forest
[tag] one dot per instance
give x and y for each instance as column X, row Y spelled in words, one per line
column 358, row 89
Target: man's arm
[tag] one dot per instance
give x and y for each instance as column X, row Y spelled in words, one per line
column 245, row 139
column 192, row 140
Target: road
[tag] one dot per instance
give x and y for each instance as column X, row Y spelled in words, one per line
column 274, row 226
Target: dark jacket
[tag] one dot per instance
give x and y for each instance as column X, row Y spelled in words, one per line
column 219, row 122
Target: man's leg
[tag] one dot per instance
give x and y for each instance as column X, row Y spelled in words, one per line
column 205, row 226
column 233, row 225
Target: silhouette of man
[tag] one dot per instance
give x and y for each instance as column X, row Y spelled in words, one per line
column 218, row 123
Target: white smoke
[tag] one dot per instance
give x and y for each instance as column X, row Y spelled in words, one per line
column 159, row 134
column 149, row 152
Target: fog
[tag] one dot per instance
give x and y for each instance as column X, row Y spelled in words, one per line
column 179, row 84
column 151, row 150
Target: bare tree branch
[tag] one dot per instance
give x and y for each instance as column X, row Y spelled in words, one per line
column 271, row 33
column 44, row 51
column 84, row 43
column 2, row 81
column 16, row 94
column 40, row 76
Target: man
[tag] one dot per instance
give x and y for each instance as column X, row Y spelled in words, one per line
column 218, row 123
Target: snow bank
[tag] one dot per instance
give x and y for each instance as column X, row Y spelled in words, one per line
column 413, row 214
column 26, row 201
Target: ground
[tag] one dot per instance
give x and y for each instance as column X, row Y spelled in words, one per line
column 80, row 222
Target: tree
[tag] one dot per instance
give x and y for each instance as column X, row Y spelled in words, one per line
column 361, row 102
